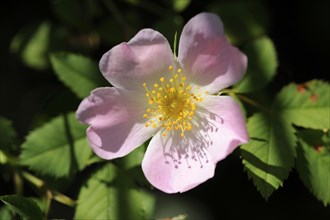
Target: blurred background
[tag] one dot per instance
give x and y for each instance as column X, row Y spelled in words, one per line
column 31, row 93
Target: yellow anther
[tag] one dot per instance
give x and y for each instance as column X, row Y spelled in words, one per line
column 172, row 104
column 188, row 127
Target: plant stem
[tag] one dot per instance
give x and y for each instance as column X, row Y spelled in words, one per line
column 252, row 103
column 54, row 194
column 244, row 98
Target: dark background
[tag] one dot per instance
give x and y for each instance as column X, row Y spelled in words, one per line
column 300, row 32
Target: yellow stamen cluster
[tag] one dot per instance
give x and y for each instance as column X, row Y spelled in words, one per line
column 172, row 104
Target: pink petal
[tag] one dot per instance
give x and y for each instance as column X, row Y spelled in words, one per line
column 173, row 164
column 145, row 58
column 206, row 54
column 225, row 127
column 116, row 121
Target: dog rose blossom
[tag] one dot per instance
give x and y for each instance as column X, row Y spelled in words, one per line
column 170, row 100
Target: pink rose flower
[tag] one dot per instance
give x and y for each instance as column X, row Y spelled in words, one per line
column 169, row 99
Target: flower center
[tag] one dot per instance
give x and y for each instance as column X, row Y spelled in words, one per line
column 172, row 104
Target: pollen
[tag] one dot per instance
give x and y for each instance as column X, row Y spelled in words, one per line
column 172, row 103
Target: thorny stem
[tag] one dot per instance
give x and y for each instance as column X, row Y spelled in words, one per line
column 51, row 193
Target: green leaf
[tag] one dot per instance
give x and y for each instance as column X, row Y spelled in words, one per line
column 269, row 155
column 6, row 213
column 134, row 158
column 79, row 73
column 7, row 134
column 23, row 206
column 33, row 43
column 58, row 148
column 305, row 105
column 313, row 162
column 243, row 20
column 111, row 194
column 180, row 5
column 262, row 64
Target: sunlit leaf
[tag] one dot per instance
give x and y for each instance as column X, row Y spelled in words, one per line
column 132, row 164
column 111, row 194
column 79, row 73
column 180, row 5
column 262, row 64
column 313, row 162
column 269, row 155
column 243, row 20
column 7, row 133
column 23, row 206
column 58, row 148
column 6, row 213
column 34, row 41
column 306, row 104
column 134, row 158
